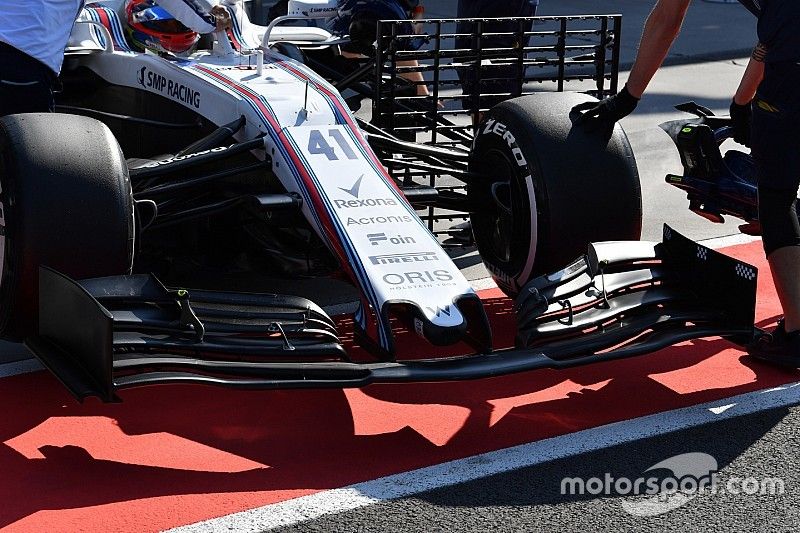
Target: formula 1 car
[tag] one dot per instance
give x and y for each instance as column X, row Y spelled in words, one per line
column 244, row 163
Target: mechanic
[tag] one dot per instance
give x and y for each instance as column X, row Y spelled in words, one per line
column 173, row 26
column 359, row 18
column 768, row 97
column 481, row 9
column 33, row 35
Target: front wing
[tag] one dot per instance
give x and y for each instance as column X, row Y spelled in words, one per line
column 620, row 300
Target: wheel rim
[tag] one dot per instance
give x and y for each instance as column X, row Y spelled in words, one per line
column 498, row 207
column 503, row 219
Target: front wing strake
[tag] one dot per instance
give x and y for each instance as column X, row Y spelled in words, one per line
column 620, row 300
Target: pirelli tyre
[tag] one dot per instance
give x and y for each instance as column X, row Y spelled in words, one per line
column 66, row 203
column 548, row 188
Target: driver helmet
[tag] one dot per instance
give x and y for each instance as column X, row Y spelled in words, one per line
column 152, row 27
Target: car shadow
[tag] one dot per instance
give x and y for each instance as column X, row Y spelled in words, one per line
column 259, row 447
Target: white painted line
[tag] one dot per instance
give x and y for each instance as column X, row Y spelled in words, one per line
column 296, row 511
column 483, row 284
column 20, row 367
column 721, row 408
column 729, row 240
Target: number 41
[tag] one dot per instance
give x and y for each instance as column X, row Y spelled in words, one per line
column 318, row 145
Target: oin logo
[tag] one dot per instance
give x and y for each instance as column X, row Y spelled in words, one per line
column 378, row 238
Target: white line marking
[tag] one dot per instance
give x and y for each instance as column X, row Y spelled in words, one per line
column 483, row 284
column 721, row 408
column 296, row 511
column 729, row 240
column 20, row 367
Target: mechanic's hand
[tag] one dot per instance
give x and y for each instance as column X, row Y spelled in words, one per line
column 741, row 118
column 608, row 111
column 222, row 17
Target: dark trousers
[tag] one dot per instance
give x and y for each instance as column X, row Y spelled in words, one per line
column 776, row 150
column 26, row 85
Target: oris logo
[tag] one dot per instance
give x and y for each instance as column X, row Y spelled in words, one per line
column 422, row 277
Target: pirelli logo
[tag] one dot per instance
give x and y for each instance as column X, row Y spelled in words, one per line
column 396, row 259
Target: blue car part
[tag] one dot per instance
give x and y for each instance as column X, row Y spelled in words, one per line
column 716, row 184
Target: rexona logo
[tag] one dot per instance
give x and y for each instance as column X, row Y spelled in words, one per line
column 379, row 238
column 357, row 201
column 172, row 89
column 421, row 277
column 393, row 259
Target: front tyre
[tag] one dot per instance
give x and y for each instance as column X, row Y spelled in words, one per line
column 548, row 189
column 66, row 203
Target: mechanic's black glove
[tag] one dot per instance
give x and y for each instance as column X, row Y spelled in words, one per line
column 741, row 118
column 608, row 111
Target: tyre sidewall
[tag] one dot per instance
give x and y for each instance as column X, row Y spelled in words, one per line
column 500, row 136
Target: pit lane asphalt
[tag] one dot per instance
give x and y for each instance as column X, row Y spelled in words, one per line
column 762, row 445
